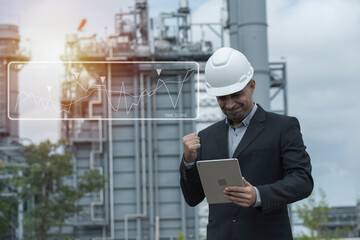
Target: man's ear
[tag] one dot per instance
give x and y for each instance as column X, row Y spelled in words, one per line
column 252, row 85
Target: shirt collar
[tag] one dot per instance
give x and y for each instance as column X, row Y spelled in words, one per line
column 246, row 120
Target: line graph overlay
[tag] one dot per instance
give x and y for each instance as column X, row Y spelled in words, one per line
column 48, row 92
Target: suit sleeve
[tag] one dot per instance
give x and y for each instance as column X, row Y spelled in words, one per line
column 190, row 183
column 297, row 182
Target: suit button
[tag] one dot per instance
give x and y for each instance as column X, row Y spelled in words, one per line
column 234, row 220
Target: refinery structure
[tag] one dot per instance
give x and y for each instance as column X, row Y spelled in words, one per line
column 138, row 150
column 126, row 103
column 137, row 147
column 9, row 130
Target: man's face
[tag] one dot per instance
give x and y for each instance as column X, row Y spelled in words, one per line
column 238, row 105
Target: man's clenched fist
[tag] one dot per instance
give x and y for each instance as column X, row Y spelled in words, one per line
column 191, row 145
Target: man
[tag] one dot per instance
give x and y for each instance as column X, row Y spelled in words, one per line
column 270, row 150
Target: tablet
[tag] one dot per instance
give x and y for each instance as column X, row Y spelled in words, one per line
column 217, row 174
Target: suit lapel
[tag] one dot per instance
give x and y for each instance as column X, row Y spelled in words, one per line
column 221, row 136
column 255, row 127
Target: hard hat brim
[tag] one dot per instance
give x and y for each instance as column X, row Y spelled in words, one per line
column 227, row 90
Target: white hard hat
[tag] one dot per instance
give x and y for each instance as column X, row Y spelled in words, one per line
column 227, row 71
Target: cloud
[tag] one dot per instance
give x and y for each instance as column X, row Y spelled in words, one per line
column 321, row 43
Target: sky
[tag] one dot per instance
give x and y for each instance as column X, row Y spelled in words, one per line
column 320, row 41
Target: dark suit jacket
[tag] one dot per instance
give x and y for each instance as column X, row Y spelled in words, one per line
column 272, row 157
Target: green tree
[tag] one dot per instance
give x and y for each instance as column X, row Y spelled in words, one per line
column 313, row 215
column 42, row 183
column 180, row 236
column 8, row 209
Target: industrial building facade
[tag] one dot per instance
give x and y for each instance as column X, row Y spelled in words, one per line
column 9, row 130
column 138, row 105
column 138, row 152
column 343, row 221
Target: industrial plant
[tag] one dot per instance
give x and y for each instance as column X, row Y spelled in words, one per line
column 125, row 104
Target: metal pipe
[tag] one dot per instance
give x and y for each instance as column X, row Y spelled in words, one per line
column 285, row 90
column 100, row 169
column 143, row 152
column 106, row 172
column 135, row 24
column 151, row 38
column 106, row 195
column 251, row 39
column 144, row 23
column 177, row 34
column 191, row 29
column 150, row 166
column 157, row 228
column 232, row 22
column 92, row 159
column 193, row 127
column 20, row 213
column 156, row 169
column 95, row 151
column 137, row 167
column 139, row 215
column 111, row 173
column 181, row 130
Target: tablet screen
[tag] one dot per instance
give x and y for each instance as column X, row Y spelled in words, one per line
column 217, row 174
